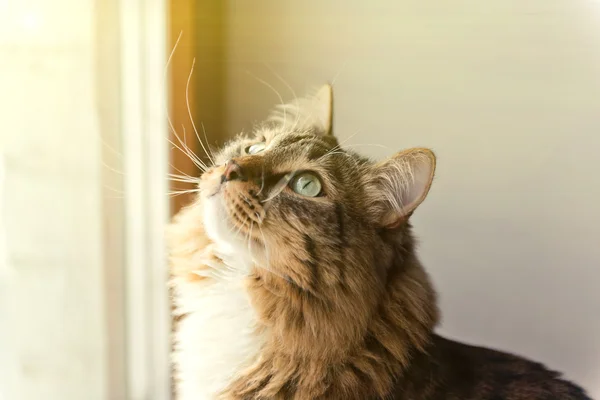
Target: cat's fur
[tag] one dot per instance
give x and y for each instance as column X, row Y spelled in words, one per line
column 290, row 297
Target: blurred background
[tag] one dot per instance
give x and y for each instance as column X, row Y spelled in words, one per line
column 507, row 92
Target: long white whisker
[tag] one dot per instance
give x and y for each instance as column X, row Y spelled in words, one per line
column 230, row 227
column 199, row 166
column 262, row 182
column 108, row 167
column 172, row 128
column 184, row 176
column 173, row 51
column 241, row 226
column 279, row 186
column 182, row 180
column 274, row 91
column 207, row 144
column 249, row 238
column 178, row 170
column 112, row 150
column 339, row 72
column 338, row 146
column 342, row 152
column 188, row 152
column 182, row 192
column 165, row 83
column 368, row 144
column 187, row 100
column 113, row 189
column 278, row 76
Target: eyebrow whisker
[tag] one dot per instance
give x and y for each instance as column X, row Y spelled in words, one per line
column 280, row 185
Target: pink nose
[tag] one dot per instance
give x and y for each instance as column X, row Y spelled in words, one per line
column 233, row 172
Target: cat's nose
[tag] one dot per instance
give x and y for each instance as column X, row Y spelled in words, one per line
column 233, row 172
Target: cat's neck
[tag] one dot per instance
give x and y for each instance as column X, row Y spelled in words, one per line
column 318, row 347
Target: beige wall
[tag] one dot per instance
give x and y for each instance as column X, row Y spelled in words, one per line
column 507, row 92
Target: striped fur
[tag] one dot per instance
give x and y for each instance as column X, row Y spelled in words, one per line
column 290, row 297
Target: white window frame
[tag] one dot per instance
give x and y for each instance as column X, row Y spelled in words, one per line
column 143, row 41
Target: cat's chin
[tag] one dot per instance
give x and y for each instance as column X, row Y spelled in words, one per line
column 220, row 230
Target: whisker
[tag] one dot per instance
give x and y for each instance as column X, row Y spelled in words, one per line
column 342, row 152
column 172, row 128
column 108, row 167
column 339, row 72
column 280, row 185
column 230, row 227
column 278, row 76
column 274, row 91
column 173, row 51
column 180, row 192
column 187, row 151
column 177, row 194
column 194, row 161
column 178, row 170
column 112, row 150
column 184, row 176
column 182, row 180
column 187, row 101
column 249, row 237
column 368, row 144
column 339, row 145
column 262, row 180
column 190, row 150
column 113, row 189
column 165, row 104
column 207, row 144
column 241, row 226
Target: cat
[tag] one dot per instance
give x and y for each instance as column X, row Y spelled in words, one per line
column 295, row 277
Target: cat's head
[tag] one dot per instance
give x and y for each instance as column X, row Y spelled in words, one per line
column 293, row 201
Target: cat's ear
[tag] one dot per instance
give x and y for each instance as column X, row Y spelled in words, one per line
column 313, row 112
column 398, row 185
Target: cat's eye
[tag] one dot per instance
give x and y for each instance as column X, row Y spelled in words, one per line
column 256, row 148
column 306, row 184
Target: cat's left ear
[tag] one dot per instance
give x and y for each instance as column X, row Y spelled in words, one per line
column 313, row 112
column 324, row 110
column 399, row 185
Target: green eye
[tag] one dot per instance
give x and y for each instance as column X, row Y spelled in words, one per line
column 306, row 184
column 255, row 148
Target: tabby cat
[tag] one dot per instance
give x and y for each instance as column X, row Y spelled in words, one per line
column 295, row 277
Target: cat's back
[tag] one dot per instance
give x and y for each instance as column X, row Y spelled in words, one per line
column 456, row 371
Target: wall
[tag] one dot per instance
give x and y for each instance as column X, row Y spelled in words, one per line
column 53, row 340
column 507, row 93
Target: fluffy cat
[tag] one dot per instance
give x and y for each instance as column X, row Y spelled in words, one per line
column 295, row 277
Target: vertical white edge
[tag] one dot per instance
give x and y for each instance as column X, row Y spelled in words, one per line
column 136, row 276
column 143, row 44
column 157, row 170
column 108, row 102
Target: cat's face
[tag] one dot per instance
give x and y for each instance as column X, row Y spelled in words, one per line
column 294, row 203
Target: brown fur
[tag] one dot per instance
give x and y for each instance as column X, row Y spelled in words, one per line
column 347, row 309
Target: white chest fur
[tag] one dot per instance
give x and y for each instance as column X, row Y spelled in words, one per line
column 216, row 338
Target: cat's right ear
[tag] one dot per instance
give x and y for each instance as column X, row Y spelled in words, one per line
column 313, row 112
column 397, row 186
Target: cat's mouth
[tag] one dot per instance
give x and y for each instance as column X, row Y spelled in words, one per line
column 242, row 205
column 233, row 204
